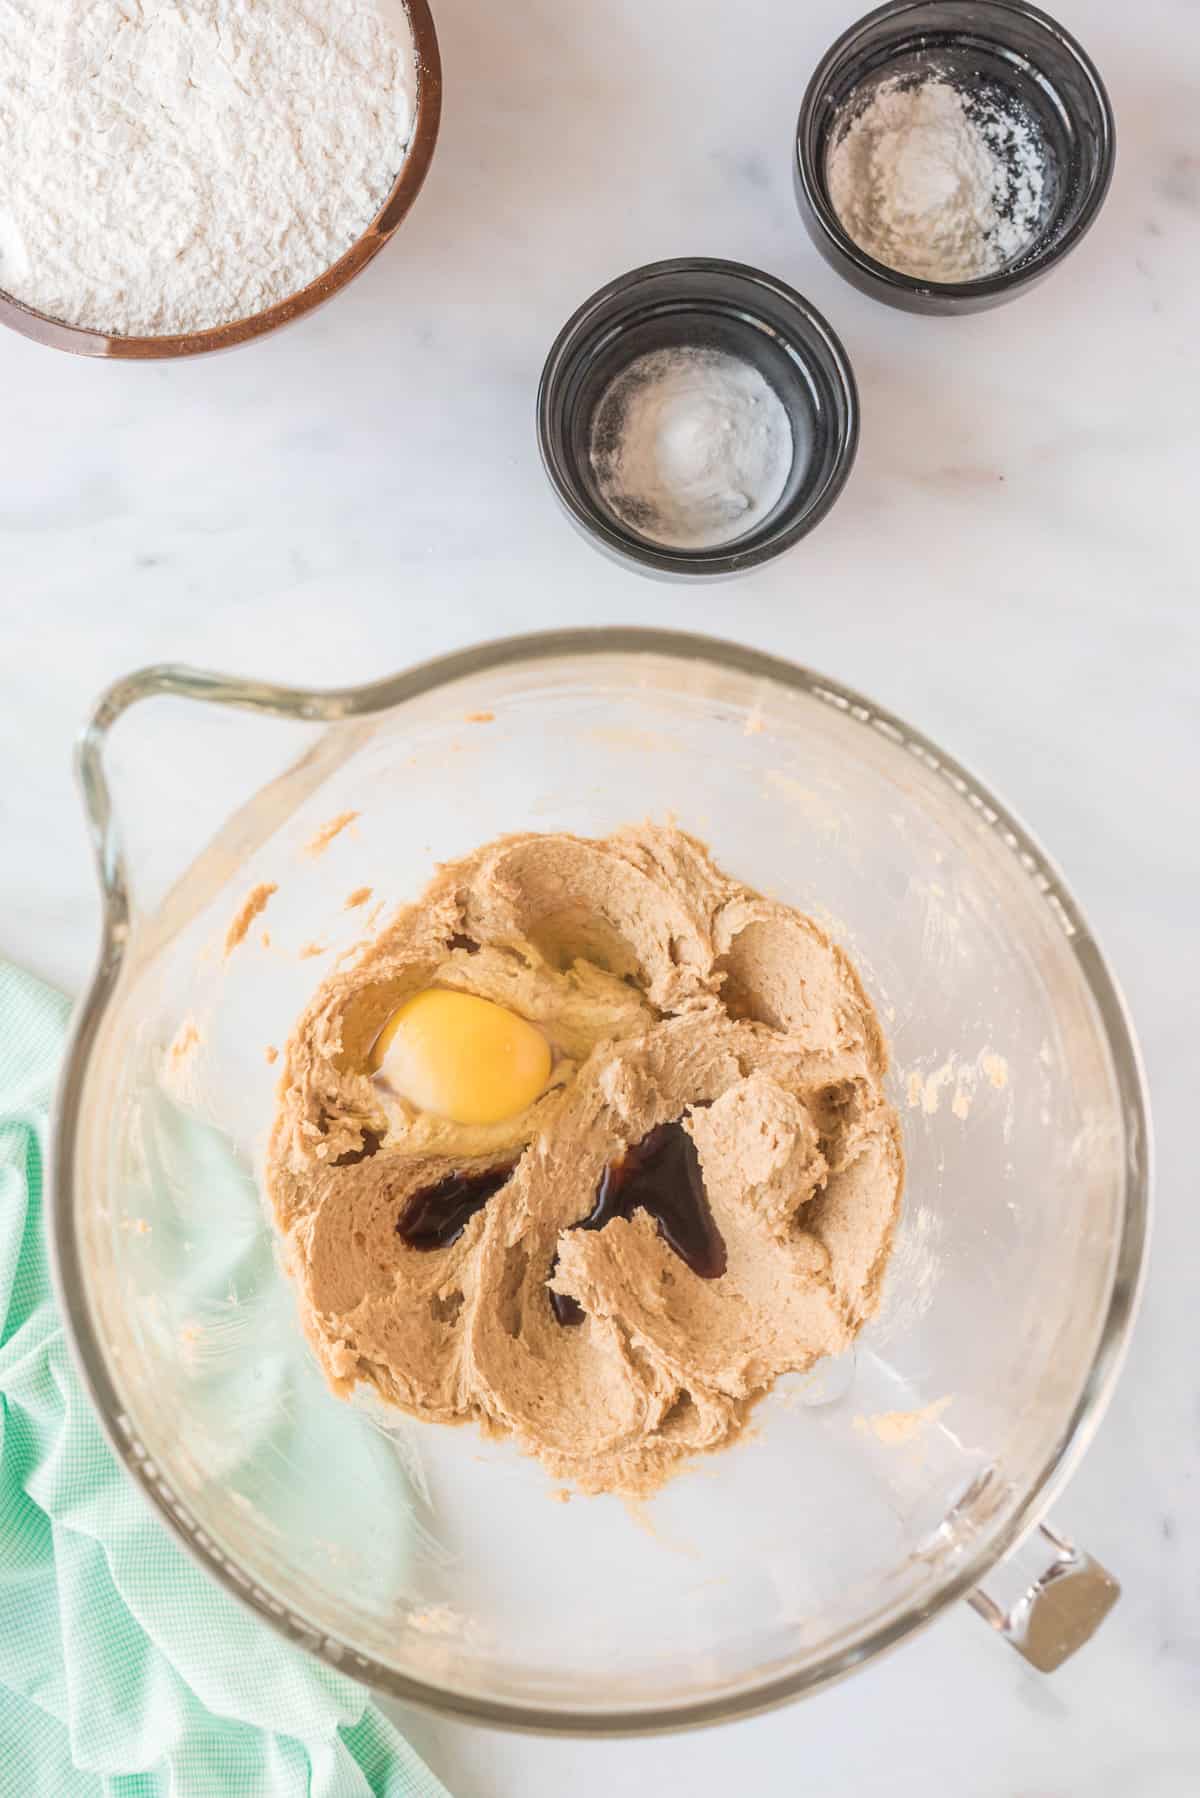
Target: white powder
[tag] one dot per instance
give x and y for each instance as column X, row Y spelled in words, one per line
column 170, row 165
column 691, row 447
column 938, row 185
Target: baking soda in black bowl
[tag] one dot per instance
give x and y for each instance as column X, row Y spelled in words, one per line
column 936, row 182
column 950, row 153
column 697, row 417
column 691, row 447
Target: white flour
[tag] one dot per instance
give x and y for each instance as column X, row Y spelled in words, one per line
column 691, row 447
column 937, row 187
column 169, row 165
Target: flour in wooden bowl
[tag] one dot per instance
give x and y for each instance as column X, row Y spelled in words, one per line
column 169, row 168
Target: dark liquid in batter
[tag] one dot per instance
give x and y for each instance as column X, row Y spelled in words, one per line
column 437, row 1215
column 661, row 1174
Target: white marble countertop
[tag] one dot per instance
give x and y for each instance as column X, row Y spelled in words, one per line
column 1013, row 567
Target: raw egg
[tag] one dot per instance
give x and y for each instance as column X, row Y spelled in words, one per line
column 462, row 1057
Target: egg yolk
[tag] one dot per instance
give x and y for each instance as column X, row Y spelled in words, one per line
column 462, row 1058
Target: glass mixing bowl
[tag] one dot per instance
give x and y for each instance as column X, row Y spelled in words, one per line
column 874, row 1489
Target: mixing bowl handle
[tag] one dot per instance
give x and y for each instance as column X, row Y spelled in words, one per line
column 300, row 705
column 1047, row 1598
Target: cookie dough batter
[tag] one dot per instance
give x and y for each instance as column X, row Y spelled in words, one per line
column 668, row 992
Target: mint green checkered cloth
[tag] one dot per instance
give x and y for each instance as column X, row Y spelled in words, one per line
column 124, row 1671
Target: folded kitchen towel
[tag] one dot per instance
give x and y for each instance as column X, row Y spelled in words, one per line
column 124, row 1670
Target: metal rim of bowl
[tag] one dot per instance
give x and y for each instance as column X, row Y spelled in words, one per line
column 1007, row 282
column 728, row 559
column 337, row 705
column 79, row 340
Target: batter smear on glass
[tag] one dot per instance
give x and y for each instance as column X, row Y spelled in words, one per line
column 590, row 1146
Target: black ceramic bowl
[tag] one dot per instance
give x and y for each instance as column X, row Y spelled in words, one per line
column 702, row 303
column 977, row 43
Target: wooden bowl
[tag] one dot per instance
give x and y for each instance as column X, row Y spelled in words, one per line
column 83, row 342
